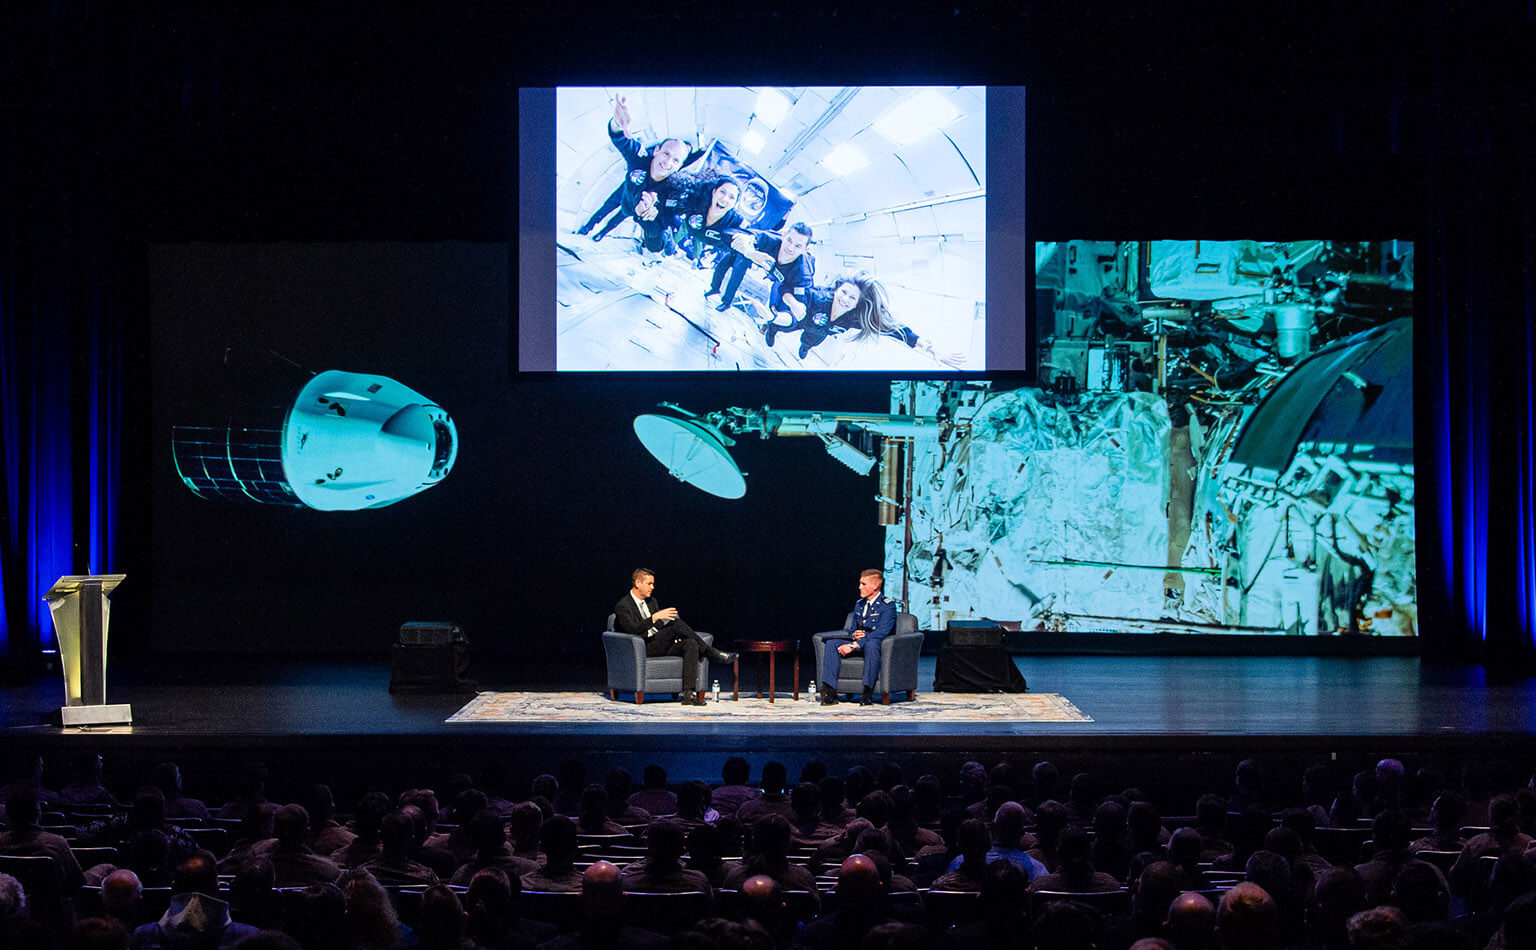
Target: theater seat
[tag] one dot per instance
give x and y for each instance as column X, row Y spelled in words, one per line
column 631, row 671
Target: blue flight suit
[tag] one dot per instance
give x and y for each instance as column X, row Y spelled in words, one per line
column 637, row 181
column 609, row 206
column 717, row 235
column 877, row 619
column 792, row 278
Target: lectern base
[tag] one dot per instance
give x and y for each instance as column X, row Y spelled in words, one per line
column 109, row 714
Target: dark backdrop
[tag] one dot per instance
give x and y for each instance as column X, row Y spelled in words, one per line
column 131, row 126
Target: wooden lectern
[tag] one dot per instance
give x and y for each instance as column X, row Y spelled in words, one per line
column 80, row 609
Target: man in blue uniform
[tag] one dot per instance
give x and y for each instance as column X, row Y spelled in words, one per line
column 873, row 619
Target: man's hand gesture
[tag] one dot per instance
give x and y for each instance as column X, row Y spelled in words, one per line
column 621, row 115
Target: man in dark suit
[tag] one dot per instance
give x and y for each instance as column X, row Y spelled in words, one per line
column 636, row 614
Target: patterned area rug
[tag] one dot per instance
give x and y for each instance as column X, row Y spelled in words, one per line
column 927, row 707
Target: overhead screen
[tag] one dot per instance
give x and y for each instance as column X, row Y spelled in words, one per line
column 763, row 228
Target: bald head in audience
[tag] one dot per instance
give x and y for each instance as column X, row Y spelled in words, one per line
column 858, row 883
column 602, row 895
column 1192, row 921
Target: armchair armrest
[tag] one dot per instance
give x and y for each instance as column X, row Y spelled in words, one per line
column 626, row 659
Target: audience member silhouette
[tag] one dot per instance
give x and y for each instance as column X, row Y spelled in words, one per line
column 603, row 925
column 87, row 789
column 693, row 806
column 371, row 921
column 706, row 848
column 294, row 862
column 317, row 917
column 421, row 804
column 167, row 777
column 326, row 834
column 654, row 797
column 195, row 917
column 523, row 830
column 970, row 868
column 394, row 865
column 1338, row 896
column 99, row 933
column 773, row 799
column 27, row 837
column 1379, row 928
column 1191, row 922
column 367, row 817
column 251, row 792
column 860, row 907
column 1075, row 871
column 489, row 837
column 618, row 785
column 571, row 782
column 1247, row 918
column 492, row 918
column 1502, row 837
column 558, row 872
column 1066, row 925
column 661, row 871
column 1390, row 834
column 443, row 924
column 734, row 789
column 834, row 801
column 1422, row 893
column 592, row 814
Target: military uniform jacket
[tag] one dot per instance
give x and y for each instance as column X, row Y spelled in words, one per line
column 876, row 618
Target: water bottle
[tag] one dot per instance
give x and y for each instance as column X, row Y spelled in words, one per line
column 810, row 691
column 714, row 690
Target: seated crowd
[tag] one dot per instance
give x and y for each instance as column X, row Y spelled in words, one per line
column 999, row 857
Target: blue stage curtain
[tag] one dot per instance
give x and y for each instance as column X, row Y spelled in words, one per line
column 1477, row 412
column 61, row 379
column 1524, row 410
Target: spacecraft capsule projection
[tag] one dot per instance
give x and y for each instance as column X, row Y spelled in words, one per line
column 347, row 441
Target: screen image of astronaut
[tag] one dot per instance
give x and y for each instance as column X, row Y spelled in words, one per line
column 1221, row 442
column 770, row 228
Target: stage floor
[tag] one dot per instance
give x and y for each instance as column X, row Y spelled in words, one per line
column 1188, row 716
column 1182, row 699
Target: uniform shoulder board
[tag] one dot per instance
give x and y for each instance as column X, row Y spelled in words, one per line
column 887, row 600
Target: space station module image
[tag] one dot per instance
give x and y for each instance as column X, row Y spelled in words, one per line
column 345, row 442
column 708, row 228
column 1222, row 443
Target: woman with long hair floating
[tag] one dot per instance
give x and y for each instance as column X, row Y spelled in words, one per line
column 857, row 304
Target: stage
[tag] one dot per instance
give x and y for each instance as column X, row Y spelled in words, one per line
column 1188, row 718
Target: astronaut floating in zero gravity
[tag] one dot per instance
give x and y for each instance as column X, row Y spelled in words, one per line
column 649, row 194
column 855, row 304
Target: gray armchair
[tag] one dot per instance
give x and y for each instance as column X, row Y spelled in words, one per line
column 898, row 661
column 631, row 671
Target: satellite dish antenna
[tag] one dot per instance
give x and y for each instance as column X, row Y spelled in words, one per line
column 692, row 452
